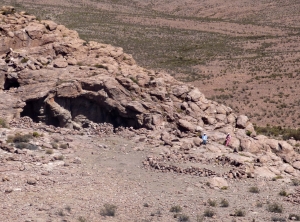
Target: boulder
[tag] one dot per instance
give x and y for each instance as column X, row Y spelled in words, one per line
column 241, row 121
column 218, row 182
column 296, row 165
column 195, row 94
column 186, row 125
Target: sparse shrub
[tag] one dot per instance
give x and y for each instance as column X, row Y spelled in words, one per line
column 49, row 151
column 35, row 134
column 294, row 217
column 276, row 131
column 108, row 210
column 212, row 203
column 61, row 213
column 295, row 182
column 63, row 146
column 100, row 66
column 224, row 188
column 248, row 133
column 283, row 193
column 157, row 213
column 239, row 213
column 277, row 178
column 19, row 138
column 209, row 213
column 224, row 203
column 68, row 208
column 54, row 145
column 281, row 219
column 183, row 218
column 275, row 208
column 200, row 218
column 146, row 205
column 82, row 219
column 26, row 146
column 253, row 190
column 259, row 204
column 60, row 157
column 24, row 60
column 134, row 80
column 3, row 123
column 176, row 209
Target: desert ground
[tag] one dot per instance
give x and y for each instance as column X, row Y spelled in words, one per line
column 75, row 183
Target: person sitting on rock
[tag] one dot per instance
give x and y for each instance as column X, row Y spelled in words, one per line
column 227, row 140
column 204, row 139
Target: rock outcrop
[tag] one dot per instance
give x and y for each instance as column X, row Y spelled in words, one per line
column 51, row 75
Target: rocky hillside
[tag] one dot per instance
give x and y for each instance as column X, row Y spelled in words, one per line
column 49, row 74
column 56, row 84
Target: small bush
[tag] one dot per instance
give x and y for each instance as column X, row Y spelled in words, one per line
column 253, row 190
column 63, row 146
column 108, row 210
column 3, row 123
column 61, row 213
column 82, row 219
column 259, row 204
column 200, row 218
column 176, row 209
column 26, row 146
column 275, row 208
column 224, row 188
column 54, row 145
column 277, row 178
column 183, row 218
column 283, row 193
column 101, row 66
column 281, row 219
column 295, row 182
column 294, row 217
column 239, row 213
column 49, row 151
column 24, row 60
column 224, row 203
column 35, row 134
column 60, row 157
column 134, row 80
column 19, row 138
column 209, row 213
column 212, row 203
column 146, row 205
column 68, row 208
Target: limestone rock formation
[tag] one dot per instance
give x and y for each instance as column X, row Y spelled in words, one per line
column 51, row 75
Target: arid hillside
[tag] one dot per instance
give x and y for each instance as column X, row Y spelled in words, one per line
column 89, row 135
column 244, row 54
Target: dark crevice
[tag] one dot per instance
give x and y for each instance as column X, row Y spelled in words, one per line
column 11, row 83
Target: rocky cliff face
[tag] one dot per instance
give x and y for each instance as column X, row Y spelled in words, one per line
column 51, row 75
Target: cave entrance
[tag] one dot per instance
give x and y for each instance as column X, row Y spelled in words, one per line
column 38, row 111
column 11, row 83
column 82, row 111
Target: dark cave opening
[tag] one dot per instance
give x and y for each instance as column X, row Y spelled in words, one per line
column 11, row 83
column 82, row 111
